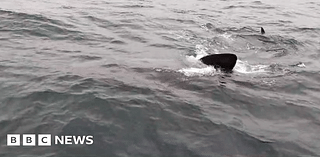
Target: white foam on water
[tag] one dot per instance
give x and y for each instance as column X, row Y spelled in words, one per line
column 227, row 36
column 201, row 51
column 207, row 71
column 301, row 65
column 245, row 67
column 203, row 70
column 198, row 68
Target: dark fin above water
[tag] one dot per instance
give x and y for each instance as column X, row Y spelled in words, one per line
column 225, row 61
column 262, row 31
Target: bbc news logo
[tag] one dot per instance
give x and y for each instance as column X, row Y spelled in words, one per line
column 46, row 140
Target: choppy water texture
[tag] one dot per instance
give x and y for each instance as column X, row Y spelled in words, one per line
column 126, row 72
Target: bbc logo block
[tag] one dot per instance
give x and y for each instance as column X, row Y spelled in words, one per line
column 13, row 140
column 28, row 140
column 44, row 140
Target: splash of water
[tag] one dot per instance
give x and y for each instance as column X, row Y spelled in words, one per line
column 245, row 67
column 199, row 69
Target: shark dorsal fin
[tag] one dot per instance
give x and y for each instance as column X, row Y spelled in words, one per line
column 224, row 61
column 262, row 31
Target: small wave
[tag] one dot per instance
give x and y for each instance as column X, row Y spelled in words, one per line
column 32, row 17
column 135, row 6
column 133, row 37
column 37, row 25
column 249, row 7
column 306, row 29
column 87, row 57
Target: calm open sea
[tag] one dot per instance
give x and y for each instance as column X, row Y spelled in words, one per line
column 127, row 73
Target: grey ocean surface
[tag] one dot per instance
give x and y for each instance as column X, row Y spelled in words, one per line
column 122, row 71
